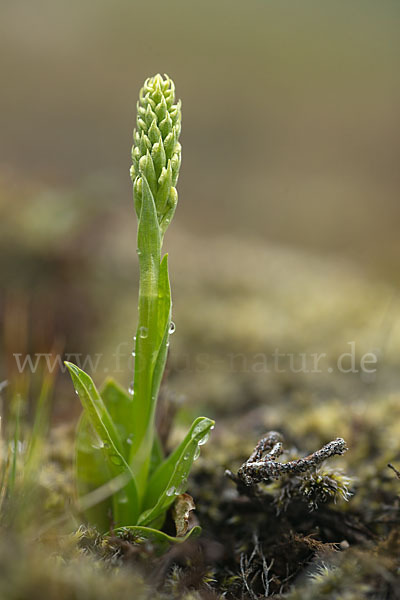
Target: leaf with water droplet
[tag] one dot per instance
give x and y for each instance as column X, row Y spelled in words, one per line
column 182, row 486
column 116, row 459
column 99, row 419
column 119, row 404
column 173, row 472
column 204, row 439
column 143, row 332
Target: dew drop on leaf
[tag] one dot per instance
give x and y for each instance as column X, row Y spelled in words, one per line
column 171, row 491
column 130, row 389
column 204, row 439
column 199, row 429
column 181, row 487
column 98, row 446
column 116, row 460
column 171, row 328
column 143, row 332
column 196, row 453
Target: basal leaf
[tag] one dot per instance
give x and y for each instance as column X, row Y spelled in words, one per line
column 170, row 479
column 125, row 501
column 92, row 472
column 161, row 539
column 120, row 407
column 157, row 455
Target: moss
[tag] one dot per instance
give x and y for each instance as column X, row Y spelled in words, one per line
column 299, row 533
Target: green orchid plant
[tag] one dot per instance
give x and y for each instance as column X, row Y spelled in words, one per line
column 124, row 482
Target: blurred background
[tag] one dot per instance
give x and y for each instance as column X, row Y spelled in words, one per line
column 286, row 233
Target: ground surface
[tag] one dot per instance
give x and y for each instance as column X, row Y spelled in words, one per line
column 333, row 532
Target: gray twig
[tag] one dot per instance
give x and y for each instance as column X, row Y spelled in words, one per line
column 262, row 464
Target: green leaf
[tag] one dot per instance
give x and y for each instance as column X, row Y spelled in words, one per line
column 171, row 476
column 161, row 539
column 163, row 325
column 157, row 455
column 151, row 349
column 94, row 405
column 120, row 407
column 92, row 472
column 148, row 240
column 148, row 336
column 125, row 501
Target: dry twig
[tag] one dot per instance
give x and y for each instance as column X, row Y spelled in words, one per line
column 262, row 464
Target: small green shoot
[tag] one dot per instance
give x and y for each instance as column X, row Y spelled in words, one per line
column 123, row 480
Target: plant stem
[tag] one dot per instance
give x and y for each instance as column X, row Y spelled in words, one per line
column 151, row 337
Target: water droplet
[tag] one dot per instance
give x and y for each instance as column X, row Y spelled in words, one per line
column 76, row 392
column 212, row 427
column 131, row 391
column 198, row 429
column 133, row 354
column 186, row 456
column 123, row 499
column 143, row 332
column 116, row 460
column 98, row 446
column 204, row 439
column 181, row 487
column 134, row 338
column 171, row 491
column 129, row 439
column 196, row 453
column 171, row 328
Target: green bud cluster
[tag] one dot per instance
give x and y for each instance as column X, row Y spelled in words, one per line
column 156, row 152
